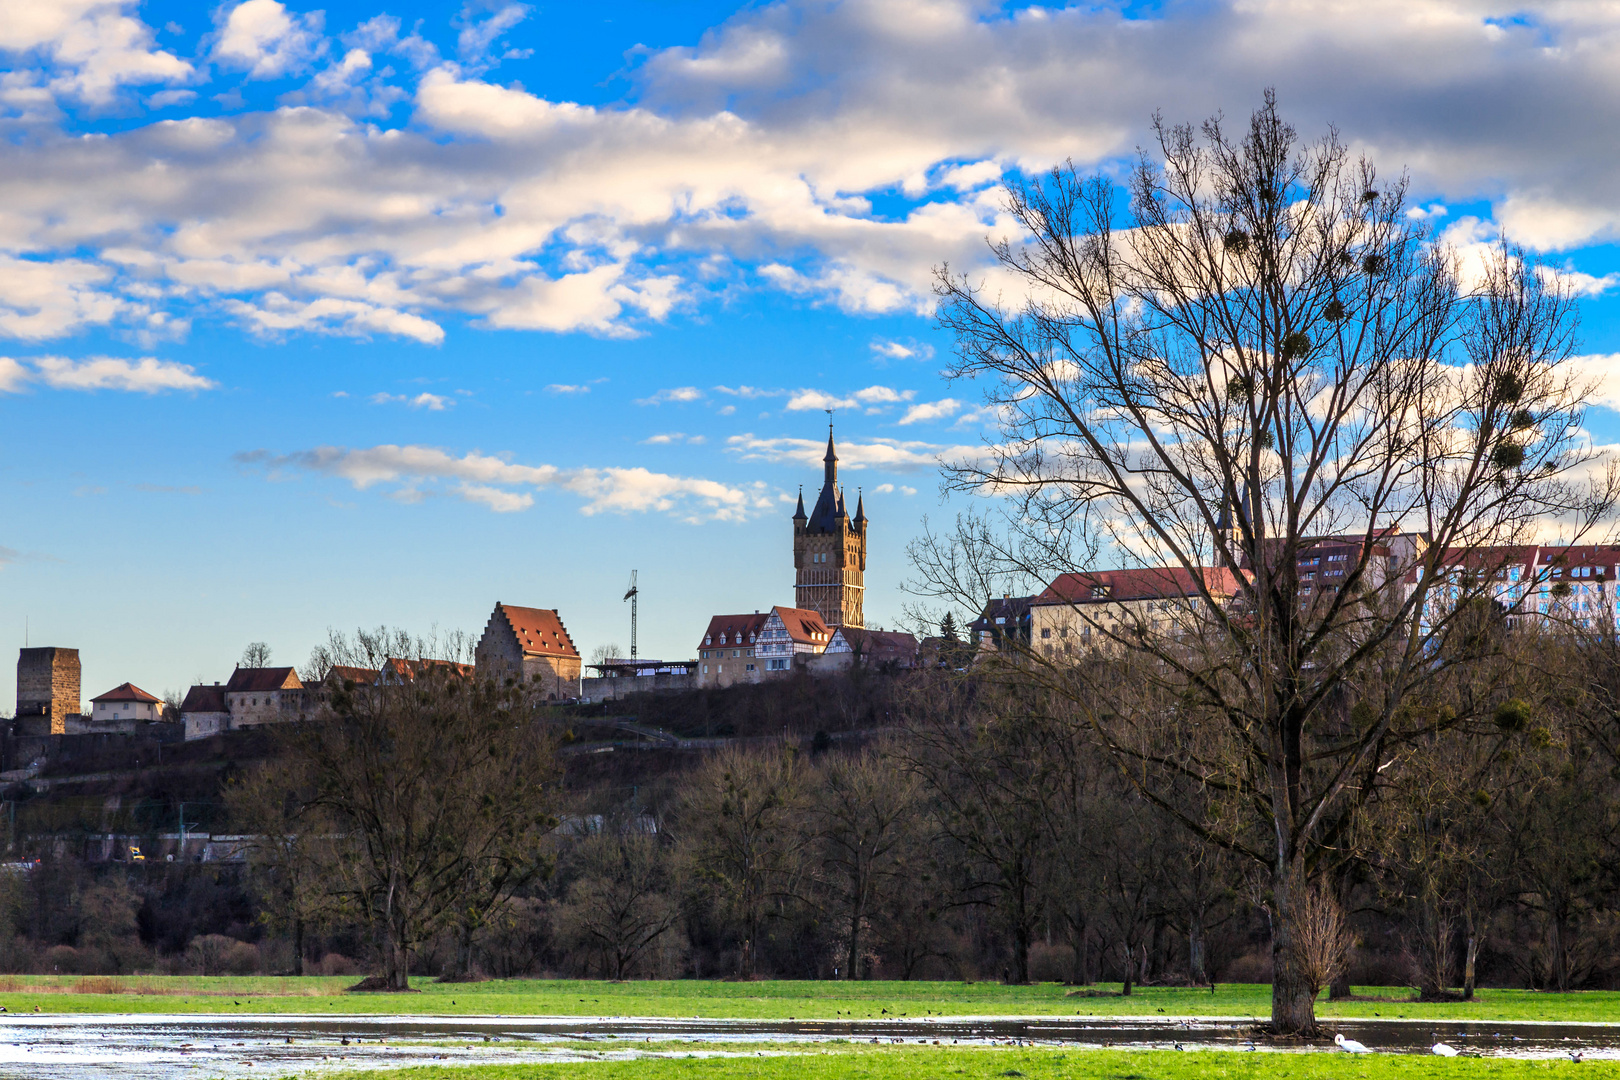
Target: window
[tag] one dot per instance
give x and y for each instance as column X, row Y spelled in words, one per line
column 707, row 640
column 1045, row 633
column 750, row 667
column 705, row 669
column 736, row 652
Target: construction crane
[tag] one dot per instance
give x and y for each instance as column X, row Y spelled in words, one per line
column 630, row 596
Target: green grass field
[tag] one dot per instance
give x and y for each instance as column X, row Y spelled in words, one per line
column 981, row 1064
column 742, row 1000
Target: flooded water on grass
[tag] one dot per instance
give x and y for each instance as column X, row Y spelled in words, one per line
column 172, row 1047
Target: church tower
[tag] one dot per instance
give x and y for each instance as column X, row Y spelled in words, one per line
column 829, row 552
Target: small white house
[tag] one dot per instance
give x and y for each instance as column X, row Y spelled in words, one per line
column 123, row 707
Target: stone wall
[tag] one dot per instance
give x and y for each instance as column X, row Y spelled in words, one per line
column 48, row 686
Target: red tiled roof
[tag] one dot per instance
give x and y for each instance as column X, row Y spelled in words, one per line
column 127, row 692
column 409, row 669
column 804, row 625
column 358, row 675
column 245, row 679
column 1531, row 559
column 1144, row 583
column 878, row 646
column 540, row 631
column 205, row 699
column 732, row 630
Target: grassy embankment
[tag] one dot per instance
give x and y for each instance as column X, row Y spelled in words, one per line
column 984, row 1064
column 743, row 1000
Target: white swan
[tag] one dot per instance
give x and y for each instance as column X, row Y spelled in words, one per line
column 1350, row 1046
column 1442, row 1050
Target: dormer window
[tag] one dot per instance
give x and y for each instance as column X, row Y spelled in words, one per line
column 708, row 639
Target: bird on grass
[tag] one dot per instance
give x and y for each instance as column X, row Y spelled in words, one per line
column 1440, row 1049
column 1577, row 1056
column 1350, row 1046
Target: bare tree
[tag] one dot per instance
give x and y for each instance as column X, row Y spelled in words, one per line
column 1268, row 351
column 292, row 850
column 442, row 784
column 735, row 818
column 860, row 814
column 256, row 655
column 625, row 899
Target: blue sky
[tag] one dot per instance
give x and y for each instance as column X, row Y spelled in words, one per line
column 375, row 313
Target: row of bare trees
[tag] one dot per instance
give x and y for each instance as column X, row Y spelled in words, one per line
column 997, row 827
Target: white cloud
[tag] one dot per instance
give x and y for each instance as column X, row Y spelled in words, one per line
column 678, row 394
column 931, row 410
column 805, row 400
column 673, row 438
column 892, row 454
column 431, row 402
column 478, row 35
column 748, row 393
column 497, row 499
column 897, row 350
column 12, row 375
column 146, row 375
column 565, row 388
column 350, row 318
column 411, row 472
column 760, row 150
column 1601, row 372
column 260, row 36
column 92, row 48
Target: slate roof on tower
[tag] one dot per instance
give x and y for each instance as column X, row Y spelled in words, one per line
column 828, row 516
column 539, row 631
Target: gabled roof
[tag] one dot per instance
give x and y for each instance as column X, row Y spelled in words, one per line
column 1010, row 609
column 400, row 670
column 245, row 679
column 1143, row 583
column 735, row 629
column 539, row 631
column 803, row 626
column 875, row 646
column 128, row 692
column 202, row 698
column 360, row 676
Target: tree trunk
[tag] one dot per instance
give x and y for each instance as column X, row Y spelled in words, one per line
column 852, row 958
column 1195, row 950
column 1130, row 969
column 298, row 946
column 1469, row 956
column 1293, row 998
column 1021, row 951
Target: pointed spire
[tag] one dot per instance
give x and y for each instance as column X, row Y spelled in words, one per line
column 831, row 458
column 860, row 505
column 841, row 511
column 798, row 515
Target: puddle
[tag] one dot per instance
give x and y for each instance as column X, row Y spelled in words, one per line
column 89, row 1047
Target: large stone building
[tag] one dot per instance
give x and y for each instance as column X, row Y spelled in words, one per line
column 269, row 695
column 829, row 552
column 532, row 642
column 726, row 653
column 47, row 689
